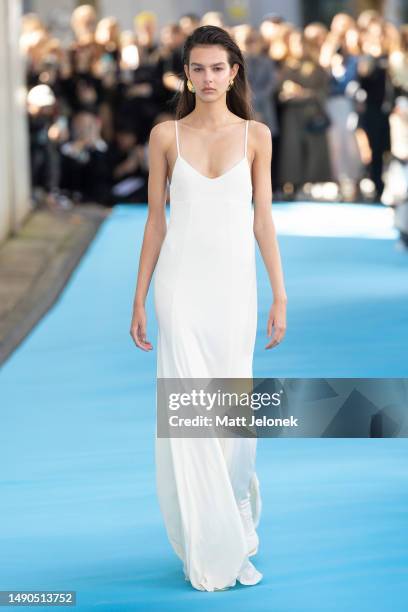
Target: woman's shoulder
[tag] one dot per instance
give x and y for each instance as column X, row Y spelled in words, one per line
column 162, row 129
column 258, row 130
column 257, row 125
column 162, row 134
column 259, row 137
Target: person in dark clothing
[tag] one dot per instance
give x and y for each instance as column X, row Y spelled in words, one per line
column 138, row 100
column 85, row 171
column 129, row 172
column 139, row 97
column 45, row 131
column 304, row 153
column 82, row 87
column 171, row 64
column 377, row 103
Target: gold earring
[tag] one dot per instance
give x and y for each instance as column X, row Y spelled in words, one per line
column 190, row 86
column 231, row 84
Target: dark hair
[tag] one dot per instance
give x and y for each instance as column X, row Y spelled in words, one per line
column 238, row 97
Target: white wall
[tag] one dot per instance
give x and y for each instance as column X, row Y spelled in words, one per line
column 5, row 162
column 14, row 162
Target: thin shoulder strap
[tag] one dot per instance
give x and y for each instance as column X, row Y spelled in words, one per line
column 246, row 136
column 177, row 138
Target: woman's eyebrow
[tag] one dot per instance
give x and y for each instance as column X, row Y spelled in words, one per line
column 216, row 64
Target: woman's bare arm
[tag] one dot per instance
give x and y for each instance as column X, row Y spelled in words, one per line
column 264, row 229
column 154, row 233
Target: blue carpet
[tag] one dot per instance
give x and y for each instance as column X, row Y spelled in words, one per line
column 79, row 508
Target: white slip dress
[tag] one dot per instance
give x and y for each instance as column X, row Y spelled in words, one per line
column 205, row 297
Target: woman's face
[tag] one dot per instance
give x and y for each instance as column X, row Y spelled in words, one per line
column 209, row 68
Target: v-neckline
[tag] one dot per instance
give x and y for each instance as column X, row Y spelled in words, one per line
column 208, row 178
column 204, row 176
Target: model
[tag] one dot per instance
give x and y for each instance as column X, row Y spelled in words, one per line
column 218, row 161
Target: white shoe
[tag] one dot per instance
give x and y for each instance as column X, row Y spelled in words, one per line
column 249, row 575
column 244, row 506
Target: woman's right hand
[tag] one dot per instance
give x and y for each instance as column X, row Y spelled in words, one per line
column 138, row 328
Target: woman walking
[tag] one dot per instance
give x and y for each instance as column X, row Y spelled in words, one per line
column 206, row 299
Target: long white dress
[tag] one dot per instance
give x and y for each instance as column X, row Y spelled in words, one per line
column 205, row 297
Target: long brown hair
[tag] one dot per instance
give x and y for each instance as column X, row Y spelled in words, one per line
column 238, row 97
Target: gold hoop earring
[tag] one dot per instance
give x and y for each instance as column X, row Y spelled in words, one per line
column 230, row 85
column 190, row 86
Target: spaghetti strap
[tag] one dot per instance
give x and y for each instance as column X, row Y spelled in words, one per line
column 177, row 139
column 246, row 137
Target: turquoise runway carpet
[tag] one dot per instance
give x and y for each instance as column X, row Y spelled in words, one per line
column 78, row 502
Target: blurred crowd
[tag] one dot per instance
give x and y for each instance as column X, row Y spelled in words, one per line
column 335, row 99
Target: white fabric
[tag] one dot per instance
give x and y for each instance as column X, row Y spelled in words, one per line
column 205, row 298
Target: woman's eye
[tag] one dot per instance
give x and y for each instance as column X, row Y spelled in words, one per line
column 197, row 69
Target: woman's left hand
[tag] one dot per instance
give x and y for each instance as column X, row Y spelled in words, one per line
column 277, row 323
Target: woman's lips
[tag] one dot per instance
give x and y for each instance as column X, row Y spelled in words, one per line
column 208, row 89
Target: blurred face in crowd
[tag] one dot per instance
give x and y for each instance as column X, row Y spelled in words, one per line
column 373, row 39
column 295, row 45
column 30, row 22
column 341, row 23
column 165, row 36
column 253, row 42
column 178, row 36
column 310, row 49
column 171, row 36
column 86, row 127
column 189, row 24
column 83, row 22
column 366, row 18
column 145, row 30
column 34, row 36
column 209, row 68
column 107, row 31
column 214, row 18
column 279, row 47
column 270, row 30
column 240, row 35
column 316, row 33
column 352, row 40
